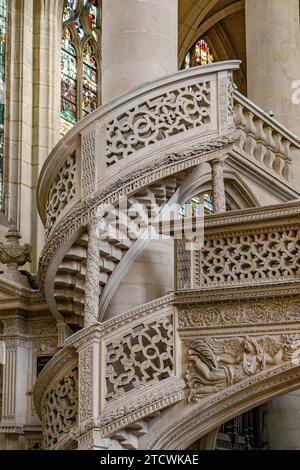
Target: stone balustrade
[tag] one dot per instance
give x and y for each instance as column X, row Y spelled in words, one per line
column 169, row 355
column 127, row 370
column 263, row 139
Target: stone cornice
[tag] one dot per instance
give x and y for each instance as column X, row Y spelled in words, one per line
column 239, row 293
column 239, row 220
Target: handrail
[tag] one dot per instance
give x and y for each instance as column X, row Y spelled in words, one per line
column 142, row 96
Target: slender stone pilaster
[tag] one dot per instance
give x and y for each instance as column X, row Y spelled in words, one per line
column 218, row 186
column 92, row 288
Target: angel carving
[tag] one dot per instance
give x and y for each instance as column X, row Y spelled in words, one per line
column 214, row 364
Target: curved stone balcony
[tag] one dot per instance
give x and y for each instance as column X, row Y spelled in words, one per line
column 227, row 340
column 142, row 146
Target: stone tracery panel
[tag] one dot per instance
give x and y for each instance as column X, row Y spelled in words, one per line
column 144, row 355
column 62, row 191
column 158, row 118
column 60, row 408
column 253, row 256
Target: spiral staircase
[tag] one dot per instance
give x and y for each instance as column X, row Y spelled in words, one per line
column 137, row 380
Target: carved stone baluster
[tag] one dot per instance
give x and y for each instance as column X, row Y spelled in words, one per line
column 288, row 157
column 92, row 288
column 218, row 187
column 278, row 152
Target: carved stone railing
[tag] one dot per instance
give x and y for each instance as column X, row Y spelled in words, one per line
column 128, row 370
column 136, row 128
column 254, row 246
column 56, row 399
column 263, row 139
column 169, row 355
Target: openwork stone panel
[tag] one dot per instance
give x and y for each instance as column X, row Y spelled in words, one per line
column 158, row 118
column 214, row 364
column 264, row 255
column 143, row 356
column 62, row 191
column 60, row 408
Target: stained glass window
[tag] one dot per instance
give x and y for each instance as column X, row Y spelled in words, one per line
column 199, row 54
column 89, row 80
column 197, row 205
column 68, row 82
column 80, row 57
column 3, row 12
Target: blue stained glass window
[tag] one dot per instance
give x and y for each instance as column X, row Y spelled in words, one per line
column 80, row 57
column 68, row 83
column 3, row 13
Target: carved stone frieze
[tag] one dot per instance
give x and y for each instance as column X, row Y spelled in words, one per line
column 86, row 383
column 266, row 381
column 250, row 312
column 214, row 364
column 88, row 167
column 141, row 407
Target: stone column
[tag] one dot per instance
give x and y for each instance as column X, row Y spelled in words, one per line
column 92, row 288
column 139, row 43
column 14, row 389
column 273, row 57
column 218, row 186
column 31, row 110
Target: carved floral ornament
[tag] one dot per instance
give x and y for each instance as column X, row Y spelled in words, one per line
column 214, row 364
column 12, row 253
column 246, row 312
column 60, row 408
column 161, row 117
